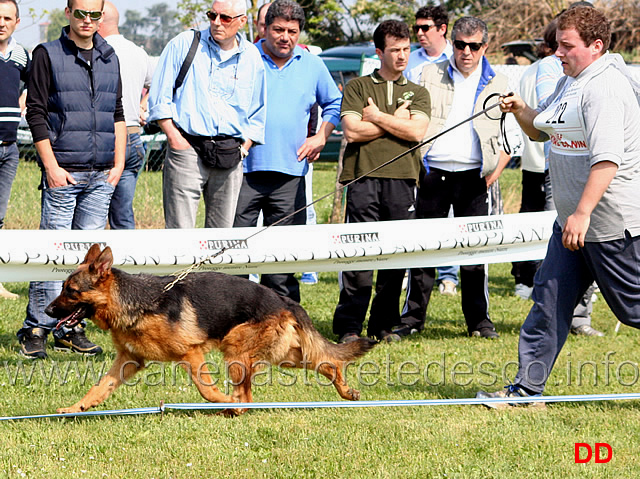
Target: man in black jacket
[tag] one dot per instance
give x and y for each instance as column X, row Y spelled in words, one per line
column 74, row 110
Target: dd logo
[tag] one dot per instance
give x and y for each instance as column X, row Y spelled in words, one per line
column 597, row 447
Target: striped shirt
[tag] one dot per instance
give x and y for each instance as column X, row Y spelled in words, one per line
column 14, row 68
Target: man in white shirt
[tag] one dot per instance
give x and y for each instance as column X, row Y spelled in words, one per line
column 431, row 30
column 136, row 72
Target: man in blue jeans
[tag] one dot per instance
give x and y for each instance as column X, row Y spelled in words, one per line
column 14, row 68
column 136, row 72
column 74, row 110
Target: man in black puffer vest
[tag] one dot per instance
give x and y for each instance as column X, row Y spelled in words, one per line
column 74, row 110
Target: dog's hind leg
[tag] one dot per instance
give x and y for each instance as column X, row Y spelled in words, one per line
column 240, row 371
column 334, row 372
column 193, row 362
column 122, row 369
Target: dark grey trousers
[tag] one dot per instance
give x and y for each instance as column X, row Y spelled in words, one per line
column 560, row 283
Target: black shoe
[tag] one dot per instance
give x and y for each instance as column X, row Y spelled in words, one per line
column 489, row 333
column 76, row 341
column 32, row 343
column 404, row 330
column 387, row 337
column 586, row 330
column 348, row 338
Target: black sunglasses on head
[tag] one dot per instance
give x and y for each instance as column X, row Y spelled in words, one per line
column 223, row 18
column 82, row 14
column 473, row 46
column 424, row 28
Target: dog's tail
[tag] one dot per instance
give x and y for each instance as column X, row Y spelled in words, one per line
column 316, row 348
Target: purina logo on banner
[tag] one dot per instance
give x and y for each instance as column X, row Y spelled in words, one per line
column 356, row 238
column 227, row 244
column 481, row 226
column 77, row 245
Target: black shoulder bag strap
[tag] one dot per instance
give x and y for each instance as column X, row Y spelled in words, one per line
column 187, row 61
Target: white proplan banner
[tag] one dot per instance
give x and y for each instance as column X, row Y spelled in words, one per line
column 52, row 254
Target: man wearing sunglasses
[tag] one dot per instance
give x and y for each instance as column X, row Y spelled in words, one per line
column 212, row 120
column 74, row 110
column 461, row 165
column 431, row 30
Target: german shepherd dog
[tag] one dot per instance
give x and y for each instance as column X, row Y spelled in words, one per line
column 249, row 323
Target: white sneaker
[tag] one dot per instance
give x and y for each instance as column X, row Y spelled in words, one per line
column 448, row 288
column 523, row 291
column 7, row 294
column 309, row 278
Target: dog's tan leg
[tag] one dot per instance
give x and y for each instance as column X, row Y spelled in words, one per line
column 334, row 373
column 240, row 373
column 195, row 365
column 122, row 369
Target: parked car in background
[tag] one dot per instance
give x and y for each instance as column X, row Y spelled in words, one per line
column 344, row 63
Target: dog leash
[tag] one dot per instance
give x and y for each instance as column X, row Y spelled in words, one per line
column 163, row 408
column 180, row 275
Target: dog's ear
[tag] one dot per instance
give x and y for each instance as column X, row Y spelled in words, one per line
column 92, row 254
column 102, row 263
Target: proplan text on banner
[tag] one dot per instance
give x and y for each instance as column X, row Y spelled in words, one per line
column 53, row 254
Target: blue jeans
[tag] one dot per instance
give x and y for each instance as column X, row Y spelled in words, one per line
column 448, row 273
column 121, row 210
column 83, row 206
column 8, row 166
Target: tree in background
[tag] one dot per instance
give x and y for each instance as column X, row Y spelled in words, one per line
column 191, row 13
column 338, row 22
column 57, row 20
column 134, row 26
column 164, row 25
column 526, row 19
column 153, row 30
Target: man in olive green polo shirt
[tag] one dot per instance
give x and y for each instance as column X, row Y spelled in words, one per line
column 383, row 115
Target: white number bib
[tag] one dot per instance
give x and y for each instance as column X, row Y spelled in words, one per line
column 562, row 121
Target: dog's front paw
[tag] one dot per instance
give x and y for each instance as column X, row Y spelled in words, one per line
column 233, row 412
column 70, row 410
column 354, row 393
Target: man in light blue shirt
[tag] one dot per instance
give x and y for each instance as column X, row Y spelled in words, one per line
column 431, row 30
column 212, row 120
column 274, row 180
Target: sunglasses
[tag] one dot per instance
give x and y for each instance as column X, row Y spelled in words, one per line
column 473, row 46
column 425, row 28
column 226, row 19
column 82, row 14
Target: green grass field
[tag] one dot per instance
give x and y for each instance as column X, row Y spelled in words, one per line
column 407, row 442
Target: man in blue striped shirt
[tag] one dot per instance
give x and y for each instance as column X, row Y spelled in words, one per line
column 212, row 120
column 14, row 68
column 274, row 173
